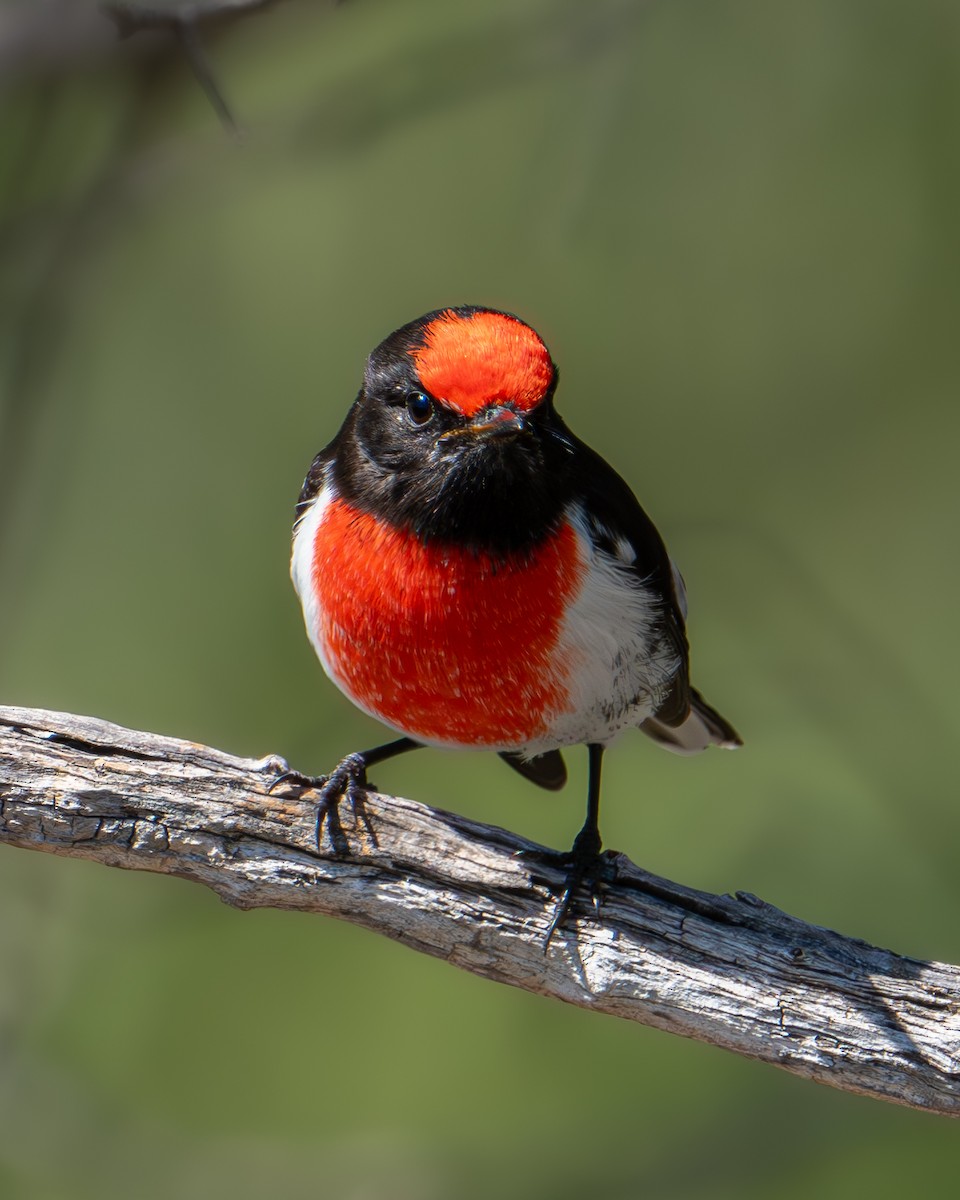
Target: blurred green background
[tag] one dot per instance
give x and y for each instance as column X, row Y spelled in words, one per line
column 735, row 225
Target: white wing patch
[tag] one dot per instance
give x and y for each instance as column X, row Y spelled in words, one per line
column 625, row 551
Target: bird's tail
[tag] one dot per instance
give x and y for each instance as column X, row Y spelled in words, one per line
column 702, row 727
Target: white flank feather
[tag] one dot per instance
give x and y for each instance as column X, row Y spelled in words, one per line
column 618, row 671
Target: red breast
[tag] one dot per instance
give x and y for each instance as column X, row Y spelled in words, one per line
column 450, row 646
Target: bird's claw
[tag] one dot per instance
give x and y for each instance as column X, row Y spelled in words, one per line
column 594, row 873
column 347, row 781
column 584, row 864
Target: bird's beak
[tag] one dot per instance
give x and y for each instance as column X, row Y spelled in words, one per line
column 499, row 421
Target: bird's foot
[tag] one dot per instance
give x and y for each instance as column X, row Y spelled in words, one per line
column 347, row 781
column 586, row 865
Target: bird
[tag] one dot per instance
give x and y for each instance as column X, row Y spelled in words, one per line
column 474, row 576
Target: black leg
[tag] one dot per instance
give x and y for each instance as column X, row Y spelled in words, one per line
column 588, row 841
column 347, row 781
column 583, row 861
column 380, row 754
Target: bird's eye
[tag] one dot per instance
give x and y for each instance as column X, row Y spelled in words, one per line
column 419, row 407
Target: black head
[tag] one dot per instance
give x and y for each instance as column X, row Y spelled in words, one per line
column 454, row 435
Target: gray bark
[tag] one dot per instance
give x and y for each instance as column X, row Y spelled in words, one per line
column 730, row 970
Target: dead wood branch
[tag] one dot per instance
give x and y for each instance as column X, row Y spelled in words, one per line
column 730, row 970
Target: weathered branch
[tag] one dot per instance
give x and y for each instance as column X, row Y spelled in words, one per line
column 729, row 970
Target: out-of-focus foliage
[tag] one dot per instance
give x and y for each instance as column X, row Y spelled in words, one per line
column 735, row 224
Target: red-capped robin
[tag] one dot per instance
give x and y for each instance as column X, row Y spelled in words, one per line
column 474, row 576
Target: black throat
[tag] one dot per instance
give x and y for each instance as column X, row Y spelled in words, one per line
column 502, row 495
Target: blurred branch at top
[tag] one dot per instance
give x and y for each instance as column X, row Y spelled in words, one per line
column 185, row 21
column 132, row 18
column 46, row 36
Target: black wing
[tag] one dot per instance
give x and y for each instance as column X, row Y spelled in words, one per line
column 312, row 485
column 546, row 770
column 618, row 522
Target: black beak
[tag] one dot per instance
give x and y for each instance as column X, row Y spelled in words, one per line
column 500, row 421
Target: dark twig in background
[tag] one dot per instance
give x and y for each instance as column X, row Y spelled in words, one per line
column 185, row 22
column 47, row 50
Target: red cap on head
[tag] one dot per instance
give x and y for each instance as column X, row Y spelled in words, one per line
column 475, row 359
